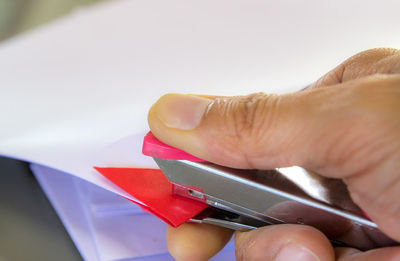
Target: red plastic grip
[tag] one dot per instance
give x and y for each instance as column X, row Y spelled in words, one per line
column 154, row 148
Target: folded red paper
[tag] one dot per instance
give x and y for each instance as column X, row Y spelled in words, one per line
column 151, row 187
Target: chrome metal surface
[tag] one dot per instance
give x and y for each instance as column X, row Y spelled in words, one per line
column 228, row 219
column 284, row 195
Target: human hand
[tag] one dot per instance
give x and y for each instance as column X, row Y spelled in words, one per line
column 346, row 126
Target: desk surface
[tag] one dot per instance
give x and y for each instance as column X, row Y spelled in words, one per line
column 29, row 227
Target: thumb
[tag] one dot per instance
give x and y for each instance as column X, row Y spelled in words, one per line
column 349, row 131
column 325, row 129
column 253, row 131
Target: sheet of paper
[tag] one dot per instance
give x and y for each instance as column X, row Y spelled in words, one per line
column 75, row 93
column 61, row 190
column 103, row 225
column 153, row 189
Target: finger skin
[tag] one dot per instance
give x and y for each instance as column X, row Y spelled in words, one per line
column 265, row 243
column 327, row 130
column 241, row 121
column 351, row 131
column 196, row 242
column 201, row 242
column 366, row 63
column 381, row 254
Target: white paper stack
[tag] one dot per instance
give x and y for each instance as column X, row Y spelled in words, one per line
column 75, row 93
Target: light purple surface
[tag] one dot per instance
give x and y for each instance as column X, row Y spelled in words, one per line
column 102, row 224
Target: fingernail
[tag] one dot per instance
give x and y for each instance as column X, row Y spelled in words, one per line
column 296, row 253
column 181, row 111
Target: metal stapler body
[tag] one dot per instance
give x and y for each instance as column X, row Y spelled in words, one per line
column 249, row 199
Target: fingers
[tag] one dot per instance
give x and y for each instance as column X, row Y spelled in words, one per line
column 196, row 242
column 175, row 119
column 296, row 242
column 384, row 254
column 350, row 131
column 279, row 242
column 283, row 242
column 374, row 61
column 239, row 132
column 316, row 129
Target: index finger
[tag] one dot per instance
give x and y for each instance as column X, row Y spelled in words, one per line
column 366, row 63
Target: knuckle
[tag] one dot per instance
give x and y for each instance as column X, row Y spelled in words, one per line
column 370, row 62
column 242, row 123
column 369, row 57
column 366, row 63
column 248, row 119
column 374, row 52
column 241, row 115
column 252, row 115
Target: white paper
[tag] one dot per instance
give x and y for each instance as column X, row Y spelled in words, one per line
column 75, row 93
column 105, row 226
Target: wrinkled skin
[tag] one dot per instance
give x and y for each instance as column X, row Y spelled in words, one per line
column 346, row 125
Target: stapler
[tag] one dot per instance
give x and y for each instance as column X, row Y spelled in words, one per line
column 248, row 199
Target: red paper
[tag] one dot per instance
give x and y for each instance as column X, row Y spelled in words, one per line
column 151, row 187
column 154, row 148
